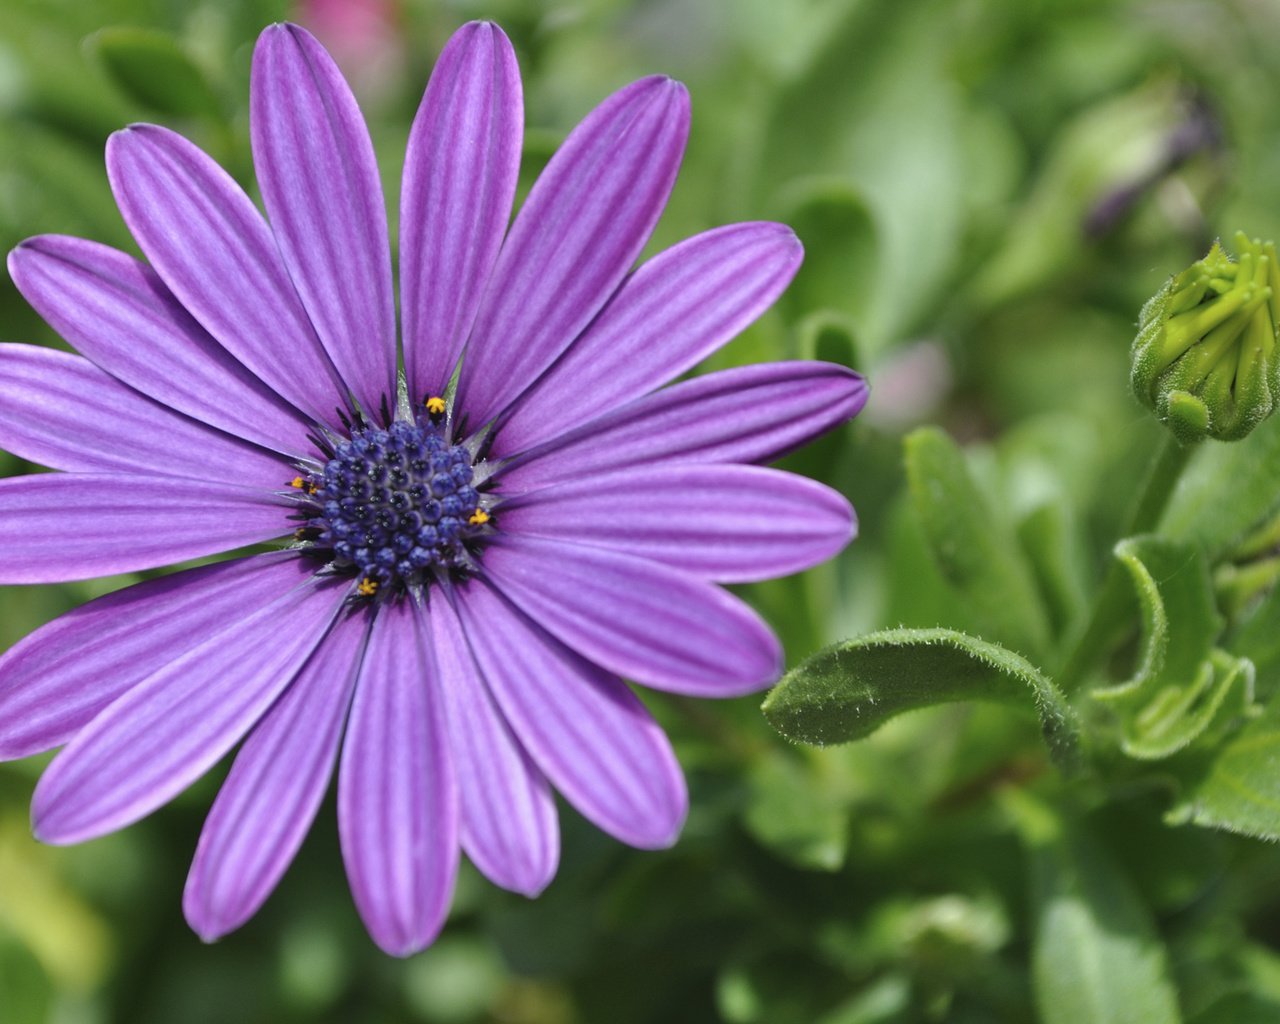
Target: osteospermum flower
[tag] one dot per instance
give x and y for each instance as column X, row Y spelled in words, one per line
column 474, row 566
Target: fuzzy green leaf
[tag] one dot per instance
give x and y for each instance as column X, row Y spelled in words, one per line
column 1240, row 789
column 1182, row 683
column 847, row 691
column 972, row 544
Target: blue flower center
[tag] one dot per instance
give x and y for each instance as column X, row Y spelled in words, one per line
column 393, row 506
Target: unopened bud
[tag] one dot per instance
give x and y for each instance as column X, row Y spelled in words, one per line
column 1205, row 355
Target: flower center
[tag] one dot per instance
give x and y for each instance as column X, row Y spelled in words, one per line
column 393, row 506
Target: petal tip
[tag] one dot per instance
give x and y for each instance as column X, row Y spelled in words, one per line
column 207, row 929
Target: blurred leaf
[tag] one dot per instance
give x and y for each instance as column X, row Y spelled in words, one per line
column 795, row 813
column 887, row 1001
column 26, row 993
column 891, row 123
column 972, row 543
column 1052, row 458
column 456, row 983
column 916, row 592
column 1258, row 637
column 833, row 223
column 67, row 938
column 828, row 336
column 1096, row 955
column 48, row 184
column 1049, row 537
column 1226, row 490
column 848, row 690
column 736, row 997
column 1107, row 147
column 1181, row 685
column 152, row 69
column 1240, row 788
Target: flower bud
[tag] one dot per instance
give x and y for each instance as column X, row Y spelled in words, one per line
column 1205, row 355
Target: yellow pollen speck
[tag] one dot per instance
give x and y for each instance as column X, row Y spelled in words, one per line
column 367, row 587
column 435, row 405
column 297, row 482
column 479, row 517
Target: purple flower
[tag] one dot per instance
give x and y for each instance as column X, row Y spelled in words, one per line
column 475, row 565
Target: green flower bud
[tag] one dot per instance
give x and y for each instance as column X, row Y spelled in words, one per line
column 1205, row 355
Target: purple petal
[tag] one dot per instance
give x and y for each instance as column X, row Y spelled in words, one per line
column 275, row 787
column 583, row 727
column 583, row 225
column 509, row 825
column 56, row 680
column 397, row 800
column 320, row 184
column 56, row 527
column 749, row 414
column 118, row 314
column 459, row 182
column 637, row 618
column 61, row 411
column 733, row 524
column 673, row 312
column 210, row 245
column 172, row 727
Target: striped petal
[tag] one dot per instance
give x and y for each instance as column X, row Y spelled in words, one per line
column 459, row 183
column 172, row 727
column 637, row 618
column 209, row 244
column 268, row 801
column 676, row 310
column 61, row 411
column 584, row 728
column 583, row 225
column 320, row 184
column 733, row 524
column 509, row 825
column 56, row 680
column 397, row 800
column 56, row 527
column 117, row 313
column 750, row 414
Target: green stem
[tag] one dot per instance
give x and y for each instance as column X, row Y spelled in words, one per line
column 1106, row 615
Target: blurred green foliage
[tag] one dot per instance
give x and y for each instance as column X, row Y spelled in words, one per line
column 987, row 191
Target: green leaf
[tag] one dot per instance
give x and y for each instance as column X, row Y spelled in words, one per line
column 794, row 814
column 1106, row 147
column 830, row 337
column 1096, row 955
column 972, row 543
column 1240, row 788
column 153, row 70
column 1258, row 638
column 1182, row 683
column 847, row 691
column 904, row 152
column 1048, row 536
column 839, row 238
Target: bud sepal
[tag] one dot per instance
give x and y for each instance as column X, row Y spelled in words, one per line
column 1205, row 356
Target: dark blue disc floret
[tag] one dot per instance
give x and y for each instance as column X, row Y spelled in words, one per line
column 392, row 506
